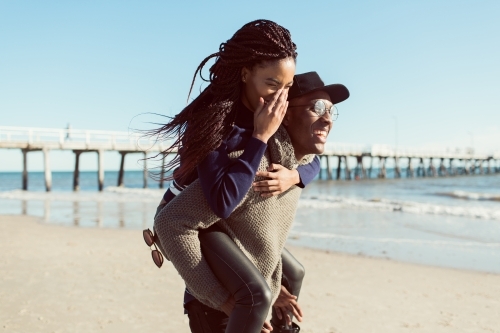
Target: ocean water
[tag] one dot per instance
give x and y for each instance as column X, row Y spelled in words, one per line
column 445, row 221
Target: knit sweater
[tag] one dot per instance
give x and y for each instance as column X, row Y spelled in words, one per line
column 258, row 226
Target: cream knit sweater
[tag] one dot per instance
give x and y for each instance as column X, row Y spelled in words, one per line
column 259, row 227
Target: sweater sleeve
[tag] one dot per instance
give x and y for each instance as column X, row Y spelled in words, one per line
column 177, row 231
column 225, row 181
column 308, row 172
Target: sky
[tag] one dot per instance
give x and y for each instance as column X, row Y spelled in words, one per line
column 422, row 73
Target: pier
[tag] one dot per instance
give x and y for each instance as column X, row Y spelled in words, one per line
column 353, row 160
column 80, row 142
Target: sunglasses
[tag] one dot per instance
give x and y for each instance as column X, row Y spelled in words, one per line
column 319, row 107
column 150, row 239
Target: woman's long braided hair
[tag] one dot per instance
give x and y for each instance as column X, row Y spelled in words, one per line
column 202, row 125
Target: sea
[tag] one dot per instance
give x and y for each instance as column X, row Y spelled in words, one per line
column 449, row 222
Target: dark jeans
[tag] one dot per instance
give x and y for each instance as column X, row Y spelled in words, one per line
column 244, row 282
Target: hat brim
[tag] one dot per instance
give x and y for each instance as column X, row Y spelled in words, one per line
column 337, row 92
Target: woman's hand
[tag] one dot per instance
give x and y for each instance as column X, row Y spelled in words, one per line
column 286, row 303
column 268, row 116
column 280, row 180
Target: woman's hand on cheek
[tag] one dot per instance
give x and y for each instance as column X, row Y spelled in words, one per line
column 268, row 116
column 280, row 180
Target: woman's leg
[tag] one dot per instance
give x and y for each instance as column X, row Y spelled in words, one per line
column 293, row 274
column 240, row 277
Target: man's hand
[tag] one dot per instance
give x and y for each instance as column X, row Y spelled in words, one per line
column 280, row 180
column 286, row 303
column 267, row 328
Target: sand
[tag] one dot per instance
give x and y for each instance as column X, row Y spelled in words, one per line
column 66, row 279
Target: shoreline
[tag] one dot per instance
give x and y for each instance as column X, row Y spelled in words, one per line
column 88, row 279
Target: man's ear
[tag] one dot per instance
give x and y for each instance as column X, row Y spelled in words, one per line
column 245, row 73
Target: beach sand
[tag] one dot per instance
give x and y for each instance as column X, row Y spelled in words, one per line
column 66, row 279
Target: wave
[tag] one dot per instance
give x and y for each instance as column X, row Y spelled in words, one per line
column 471, row 195
column 329, row 202
column 326, row 235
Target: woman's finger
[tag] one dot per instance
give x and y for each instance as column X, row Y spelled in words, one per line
column 272, row 182
column 278, row 109
column 275, row 167
column 271, row 188
column 272, row 103
column 271, row 175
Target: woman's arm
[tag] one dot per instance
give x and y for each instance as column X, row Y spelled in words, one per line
column 225, row 181
column 281, row 178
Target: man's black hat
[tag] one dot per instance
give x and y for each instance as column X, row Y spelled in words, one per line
column 309, row 82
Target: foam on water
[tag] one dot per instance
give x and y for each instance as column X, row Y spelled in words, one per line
column 472, row 195
column 333, row 202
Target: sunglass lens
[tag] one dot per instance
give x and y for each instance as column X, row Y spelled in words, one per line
column 320, row 108
column 157, row 258
column 148, row 237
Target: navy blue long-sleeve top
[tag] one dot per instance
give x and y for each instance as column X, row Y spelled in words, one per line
column 225, row 181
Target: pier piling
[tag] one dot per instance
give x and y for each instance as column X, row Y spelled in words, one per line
column 328, row 168
column 122, row 169
column 48, row 173
column 382, row 172
column 397, row 170
column 347, row 169
column 339, row 165
column 76, row 173
column 25, row 169
column 409, row 170
column 100, row 171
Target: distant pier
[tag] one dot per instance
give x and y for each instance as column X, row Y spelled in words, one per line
column 356, row 161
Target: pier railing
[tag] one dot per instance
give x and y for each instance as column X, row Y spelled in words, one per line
column 76, row 139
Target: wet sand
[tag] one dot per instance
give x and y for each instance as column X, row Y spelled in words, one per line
column 66, row 279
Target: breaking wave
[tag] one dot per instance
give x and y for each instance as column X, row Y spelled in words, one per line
column 472, row 195
column 329, row 202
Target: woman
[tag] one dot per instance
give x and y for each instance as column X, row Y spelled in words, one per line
column 258, row 61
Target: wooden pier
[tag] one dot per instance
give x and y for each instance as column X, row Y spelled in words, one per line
column 78, row 141
column 417, row 162
column 355, row 161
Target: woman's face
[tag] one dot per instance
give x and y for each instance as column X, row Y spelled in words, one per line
column 263, row 80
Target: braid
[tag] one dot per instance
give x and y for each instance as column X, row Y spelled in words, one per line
column 202, row 125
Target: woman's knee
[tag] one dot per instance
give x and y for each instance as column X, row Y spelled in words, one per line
column 254, row 294
column 297, row 273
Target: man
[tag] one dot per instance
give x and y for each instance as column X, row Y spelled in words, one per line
column 308, row 121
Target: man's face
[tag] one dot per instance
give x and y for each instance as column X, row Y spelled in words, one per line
column 308, row 131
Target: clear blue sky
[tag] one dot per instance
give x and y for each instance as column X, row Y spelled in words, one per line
column 98, row 64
